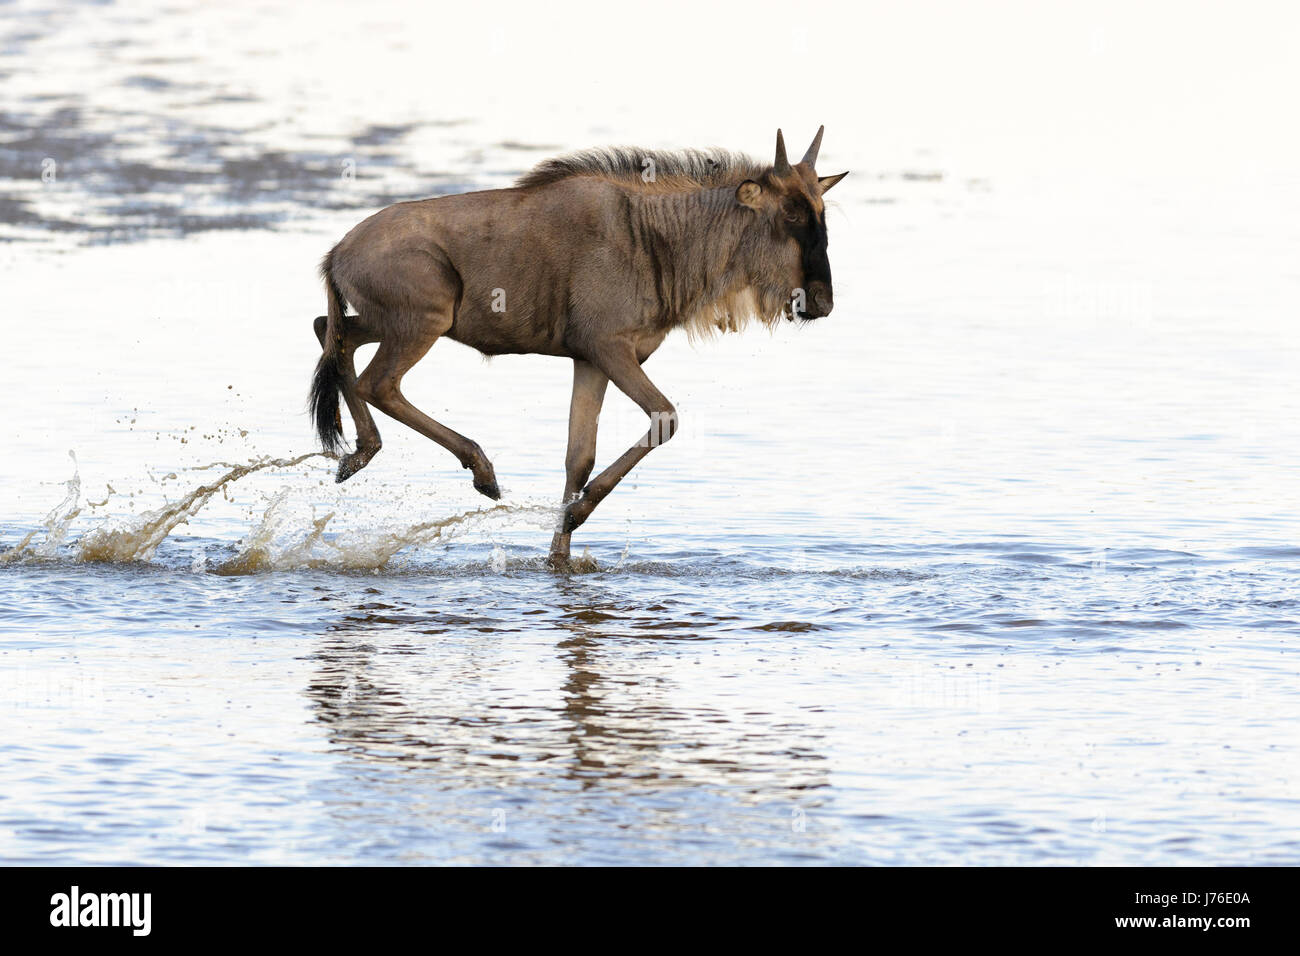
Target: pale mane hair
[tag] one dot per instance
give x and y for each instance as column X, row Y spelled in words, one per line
column 681, row 169
column 677, row 171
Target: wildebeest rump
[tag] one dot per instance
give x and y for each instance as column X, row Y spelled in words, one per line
column 596, row 257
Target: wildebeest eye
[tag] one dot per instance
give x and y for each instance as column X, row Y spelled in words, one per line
column 794, row 214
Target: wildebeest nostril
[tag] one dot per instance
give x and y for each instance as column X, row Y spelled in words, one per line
column 822, row 300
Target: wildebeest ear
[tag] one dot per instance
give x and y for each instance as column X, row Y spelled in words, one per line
column 826, row 182
column 747, row 193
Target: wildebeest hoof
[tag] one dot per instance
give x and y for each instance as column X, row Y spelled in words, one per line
column 564, row 564
column 349, row 465
column 485, row 482
column 577, row 513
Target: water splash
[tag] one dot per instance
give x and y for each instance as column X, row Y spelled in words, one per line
column 138, row 539
column 583, row 564
column 268, row 548
column 131, row 539
column 55, row 525
column 283, row 539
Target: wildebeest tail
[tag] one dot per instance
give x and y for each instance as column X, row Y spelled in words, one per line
column 329, row 379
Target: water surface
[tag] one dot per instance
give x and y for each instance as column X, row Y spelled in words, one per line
column 996, row 564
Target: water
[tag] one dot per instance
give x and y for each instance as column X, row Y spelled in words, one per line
column 995, row 564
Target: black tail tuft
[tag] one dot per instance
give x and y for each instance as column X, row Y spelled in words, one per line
column 329, row 380
column 324, row 402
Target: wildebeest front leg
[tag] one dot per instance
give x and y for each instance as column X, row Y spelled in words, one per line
column 625, row 371
column 589, row 385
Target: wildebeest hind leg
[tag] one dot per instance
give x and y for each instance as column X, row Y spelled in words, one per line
column 356, row 329
column 356, row 332
column 380, row 385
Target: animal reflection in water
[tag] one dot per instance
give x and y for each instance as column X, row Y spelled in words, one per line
column 395, row 684
column 594, row 257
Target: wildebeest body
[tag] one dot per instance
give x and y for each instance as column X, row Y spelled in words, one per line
column 533, row 267
column 587, row 257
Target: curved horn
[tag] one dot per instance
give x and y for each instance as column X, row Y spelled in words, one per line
column 810, row 157
column 782, row 165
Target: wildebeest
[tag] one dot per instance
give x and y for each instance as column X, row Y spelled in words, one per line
column 596, row 257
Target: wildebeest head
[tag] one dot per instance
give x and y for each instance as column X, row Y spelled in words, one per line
column 789, row 200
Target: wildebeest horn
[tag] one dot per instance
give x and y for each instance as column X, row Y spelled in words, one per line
column 810, row 157
column 782, row 165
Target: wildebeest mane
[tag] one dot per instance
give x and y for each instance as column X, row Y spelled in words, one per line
column 673, row 169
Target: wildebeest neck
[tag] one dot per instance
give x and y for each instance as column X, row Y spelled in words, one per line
column 698, row 253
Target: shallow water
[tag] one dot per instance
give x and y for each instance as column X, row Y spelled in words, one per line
column 994, row 565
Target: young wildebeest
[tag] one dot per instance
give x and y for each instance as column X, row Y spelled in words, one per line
column 596, row 257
